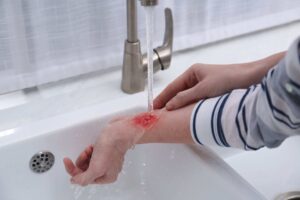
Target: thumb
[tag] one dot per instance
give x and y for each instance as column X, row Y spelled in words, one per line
column 186, row 97
column 84, row 178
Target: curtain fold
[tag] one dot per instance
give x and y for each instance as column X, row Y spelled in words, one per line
column 42, row 41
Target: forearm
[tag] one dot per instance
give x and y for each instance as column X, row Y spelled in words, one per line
column 174, row 126
column 262, row 115
column 171, row 127
column 253, row 72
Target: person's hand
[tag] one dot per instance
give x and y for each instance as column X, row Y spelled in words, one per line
column 198, row 82
column 101, row 163
column 205, row 80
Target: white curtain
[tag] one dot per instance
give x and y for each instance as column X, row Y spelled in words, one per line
column 42, row 41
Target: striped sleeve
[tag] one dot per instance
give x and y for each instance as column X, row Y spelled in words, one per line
column 262, row 115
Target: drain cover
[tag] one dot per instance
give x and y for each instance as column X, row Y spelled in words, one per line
column 41, row 162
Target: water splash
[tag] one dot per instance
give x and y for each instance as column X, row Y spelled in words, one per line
column 132, row 184
column 92, row 192
column 143, row 179
column 149, row 37
column 78, row 191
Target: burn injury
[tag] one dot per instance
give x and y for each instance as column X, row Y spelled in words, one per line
column 145, row 120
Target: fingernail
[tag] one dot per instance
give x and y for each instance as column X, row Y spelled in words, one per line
column 169, row 106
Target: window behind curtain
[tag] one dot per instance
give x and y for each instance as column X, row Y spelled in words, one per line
column 43, row 41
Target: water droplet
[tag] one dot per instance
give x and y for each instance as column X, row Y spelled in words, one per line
column 172, row 155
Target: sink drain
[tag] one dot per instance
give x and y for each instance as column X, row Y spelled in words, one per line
column 289, row 196
column 41, row 162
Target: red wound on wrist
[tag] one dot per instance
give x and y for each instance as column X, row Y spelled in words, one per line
column 145, row 120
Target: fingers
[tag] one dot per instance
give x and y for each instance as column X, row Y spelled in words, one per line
column 84, row 178
column 186, row 97
column 110, row 176
column 82, row 162
column 70, row 167
column 106, row 179
column 84, row 158
column 92, row 177
column 100, row 174
column 183, row 82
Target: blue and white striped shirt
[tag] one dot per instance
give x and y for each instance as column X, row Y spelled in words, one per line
column 262, row 115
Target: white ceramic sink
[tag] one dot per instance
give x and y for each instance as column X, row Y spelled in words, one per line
column 271, row 171
column 151, row 171
column 154, row 171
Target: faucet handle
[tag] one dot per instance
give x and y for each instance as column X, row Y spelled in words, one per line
column 163, row 54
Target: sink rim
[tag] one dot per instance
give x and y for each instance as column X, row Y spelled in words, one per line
column 80, row 116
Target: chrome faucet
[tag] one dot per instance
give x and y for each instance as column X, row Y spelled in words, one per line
column 134, row 63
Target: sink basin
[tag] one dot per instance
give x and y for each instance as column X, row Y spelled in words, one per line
column 271, row 171
column 152, row 171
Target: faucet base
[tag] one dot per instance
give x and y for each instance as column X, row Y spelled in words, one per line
column 133, row 75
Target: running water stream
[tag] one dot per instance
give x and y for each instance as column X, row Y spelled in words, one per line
column 149, row 37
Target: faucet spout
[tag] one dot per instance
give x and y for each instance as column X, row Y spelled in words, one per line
column 132, row 35
column 134, row 69
column 149, row 2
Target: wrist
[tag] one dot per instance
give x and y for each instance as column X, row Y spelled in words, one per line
column 242, row 75
column 255, row 71
column 121, row 135
column 246, row 74
column 250, row 73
